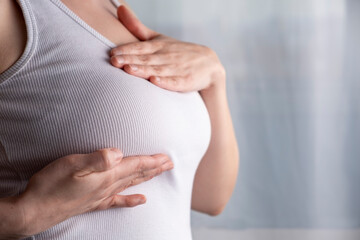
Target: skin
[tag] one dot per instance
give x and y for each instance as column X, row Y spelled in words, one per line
column 12, row 39
column 180, row 67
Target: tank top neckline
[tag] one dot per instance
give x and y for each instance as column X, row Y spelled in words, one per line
column 82, row 23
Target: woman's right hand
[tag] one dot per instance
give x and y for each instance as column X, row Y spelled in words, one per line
column 80, row 183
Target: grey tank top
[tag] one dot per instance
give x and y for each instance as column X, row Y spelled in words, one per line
column 63, row 97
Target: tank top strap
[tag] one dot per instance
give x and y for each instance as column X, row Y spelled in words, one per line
column 69, row 13
column 116, row 3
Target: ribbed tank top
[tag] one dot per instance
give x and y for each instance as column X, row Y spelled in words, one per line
column 64, row 97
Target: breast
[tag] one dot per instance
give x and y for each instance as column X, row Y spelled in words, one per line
column 80, row 108
column 73, row 110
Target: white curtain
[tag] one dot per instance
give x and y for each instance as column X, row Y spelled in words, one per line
column 293, row 86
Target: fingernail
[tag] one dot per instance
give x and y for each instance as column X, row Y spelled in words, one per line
column 169, row 166
column 162, row 157
column 115, row 52
column 119, row 60
column 157, row 80
column 141, row 200
column 133, row 67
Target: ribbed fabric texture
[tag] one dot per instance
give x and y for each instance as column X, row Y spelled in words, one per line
column 63, row 97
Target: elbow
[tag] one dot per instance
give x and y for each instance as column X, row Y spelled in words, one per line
column 212, row 211
column 216, row 211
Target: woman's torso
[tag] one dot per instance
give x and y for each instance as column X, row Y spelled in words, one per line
column 63, row 97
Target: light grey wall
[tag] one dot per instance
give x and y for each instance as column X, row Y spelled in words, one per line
column 293, row 88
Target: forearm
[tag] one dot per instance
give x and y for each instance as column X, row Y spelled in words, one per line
column 216, row 175
column 21, row 217
column 12, row 224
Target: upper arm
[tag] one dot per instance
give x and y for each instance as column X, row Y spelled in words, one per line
column 13, row 34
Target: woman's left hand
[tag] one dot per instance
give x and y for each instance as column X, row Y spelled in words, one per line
column 170, row 64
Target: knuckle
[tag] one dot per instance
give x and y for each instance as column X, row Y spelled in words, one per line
column 175, row 81
column 144, row 59
column 149, row 177
column 114, row 51
column 158, row 171
column 132, row 182
column 105, row 157
column 141, row 174
column 120, row 152
column 158, row 70
column 139, row 46
column 140, row 164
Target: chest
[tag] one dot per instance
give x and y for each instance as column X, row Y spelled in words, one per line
column 101, row 16
column 81, row 107
column 68, row 99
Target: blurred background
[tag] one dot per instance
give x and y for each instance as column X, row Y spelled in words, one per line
column 293, row 84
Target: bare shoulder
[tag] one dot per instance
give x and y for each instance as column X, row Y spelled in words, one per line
column 13, row 33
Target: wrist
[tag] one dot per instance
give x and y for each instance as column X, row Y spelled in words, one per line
column 13, row 224
column 35, row 217
column 25, row 218
column 218, row 83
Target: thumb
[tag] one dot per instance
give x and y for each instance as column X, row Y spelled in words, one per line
column 134, row 25
column 98, row 161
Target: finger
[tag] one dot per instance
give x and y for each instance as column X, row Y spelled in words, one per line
column 136, row 164
column 116, row 201
column 141, row 176
column 173, row 83
column 137, row 48
column 152, row 70
column 98, row 161
column 134, row 25
column 146, row 59
column 124, row 173
column 150, row 174
column 128, row 200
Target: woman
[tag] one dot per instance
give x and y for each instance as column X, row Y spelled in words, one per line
column 75, row 130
